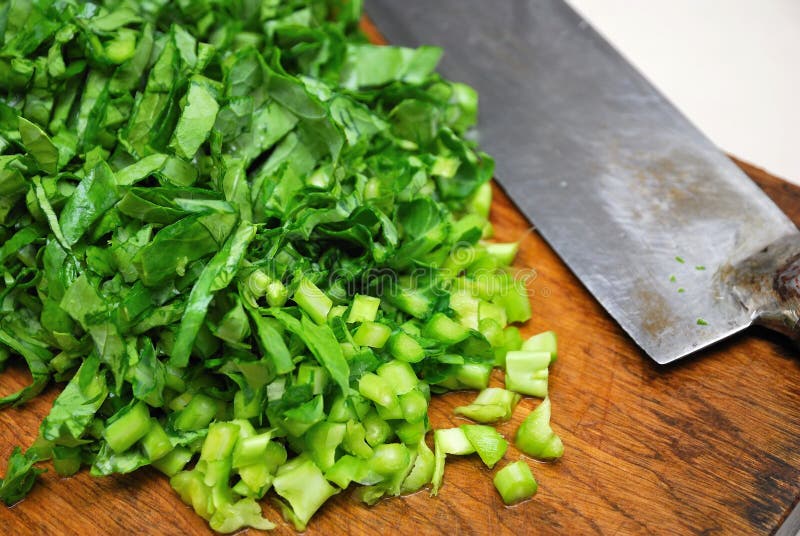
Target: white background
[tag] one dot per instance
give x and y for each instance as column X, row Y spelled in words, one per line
column 732, row 66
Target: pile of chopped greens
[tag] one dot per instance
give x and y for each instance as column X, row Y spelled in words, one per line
column 252, row 244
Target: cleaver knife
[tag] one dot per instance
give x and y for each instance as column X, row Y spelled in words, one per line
column 677, row 244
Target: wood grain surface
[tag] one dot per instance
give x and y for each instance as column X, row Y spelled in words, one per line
column 707, row 446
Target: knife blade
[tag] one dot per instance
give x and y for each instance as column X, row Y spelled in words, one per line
column 659, row 225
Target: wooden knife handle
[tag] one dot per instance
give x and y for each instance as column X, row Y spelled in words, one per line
column 768, row 285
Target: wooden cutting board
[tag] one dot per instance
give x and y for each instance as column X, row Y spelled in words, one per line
column 707, row 445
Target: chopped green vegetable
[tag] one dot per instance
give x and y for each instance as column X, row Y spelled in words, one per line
column 486, row 441
column 442, row 328
column 128, row 427
column 66, row 460
column 491, row 405
column 543, row 342
column 363, row 309
column 156, row 443
column 453, row 441
column 535, row 437
column 38, row 145
column 701, row 322
column 527, row 372
column 20, row 476
column 421, row 472
column 515, row 482
column 680, row 259
column 174, row 461
column 406, row 348
column 304, row 487
column 313, row 301
column 447, row 441
column 251, row 245
column 372, row 334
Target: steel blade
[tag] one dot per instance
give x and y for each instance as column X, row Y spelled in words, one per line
column 618, row 181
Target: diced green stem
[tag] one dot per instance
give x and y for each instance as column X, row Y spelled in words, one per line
column 536, row 438
column 363, row 309
column 304, row 487
column 527, row 372
column 313, row 301
column 515, row 482
column 491, row 405
column 128, row 428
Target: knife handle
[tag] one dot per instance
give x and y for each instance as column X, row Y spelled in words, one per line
column 768, row 285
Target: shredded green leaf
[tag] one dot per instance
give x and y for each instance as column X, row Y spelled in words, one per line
column 20, row 476
column 251, row 244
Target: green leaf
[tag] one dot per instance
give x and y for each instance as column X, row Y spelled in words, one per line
column 199, row 114
column 217, row 274
column 49, row 213
column 322, row 344
column 37, row 359
column 77, row 405
column 170, row 175
column 21, row 238
column 175, row 246
column 107, row 462
column 39, row 145
column 20, row 476
column 140, row 169
column 372, row 65
column 91, row 199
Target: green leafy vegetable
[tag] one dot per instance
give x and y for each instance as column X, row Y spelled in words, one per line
column 251, row 244
column 196, row 121
column 20, row 476
column 95, row 194
column 39, row 145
